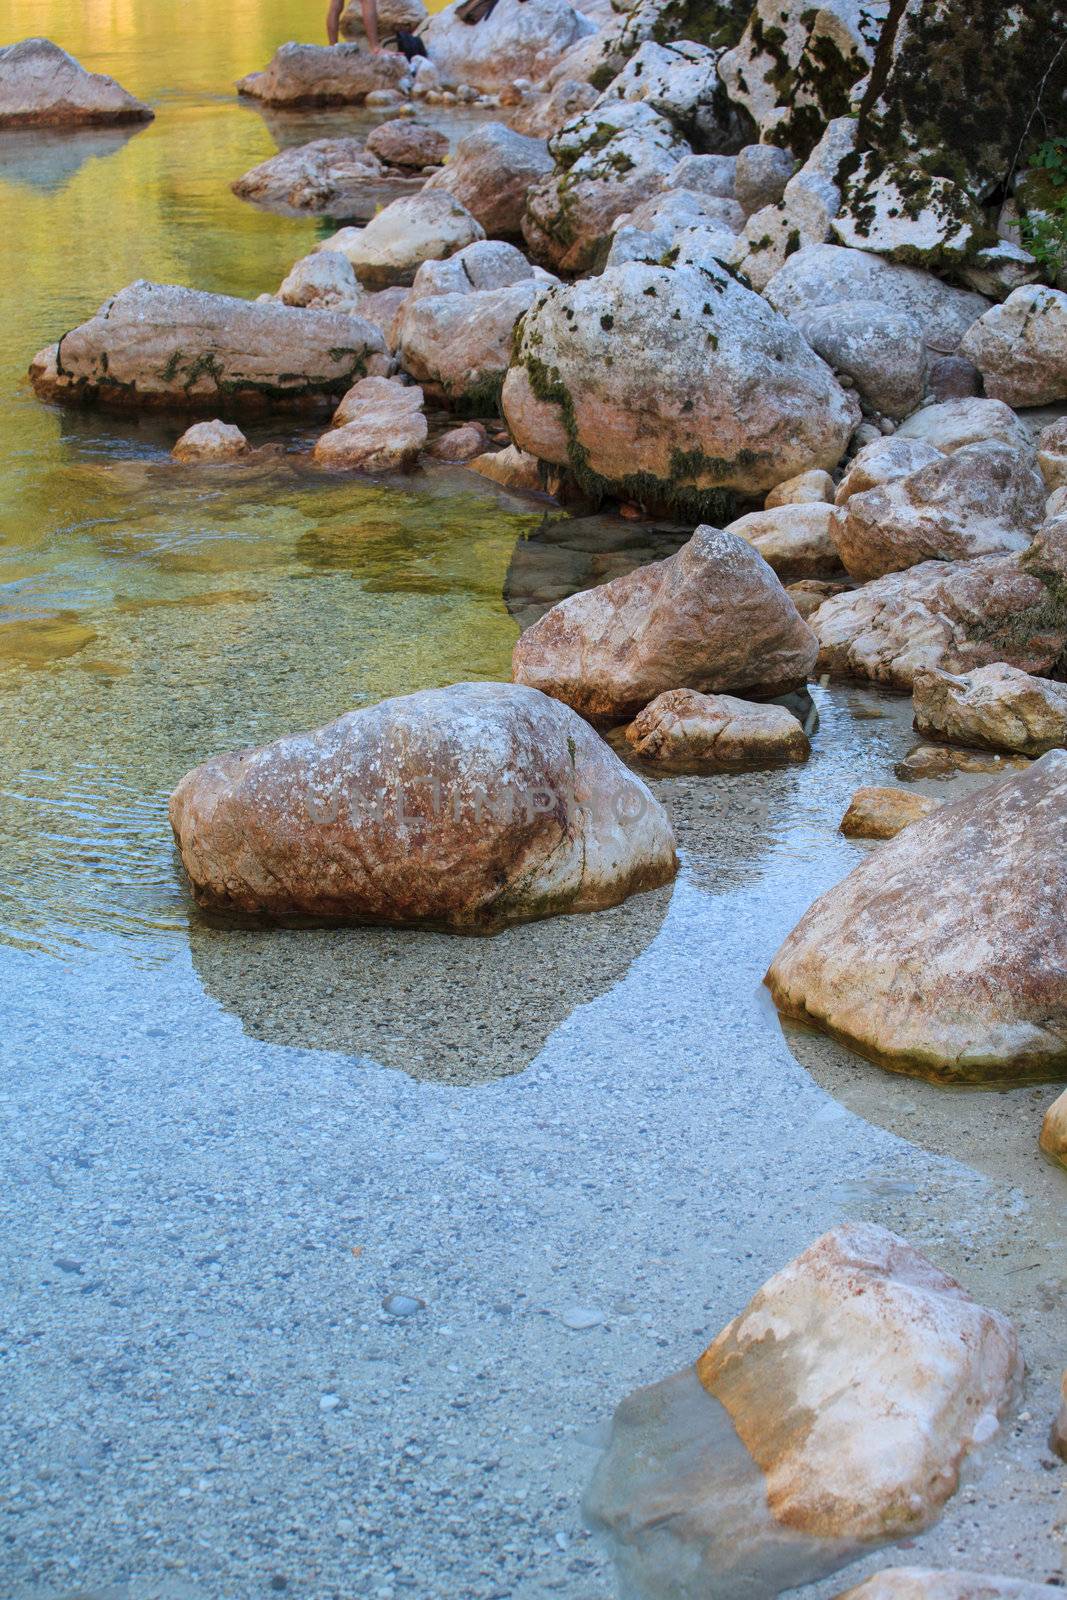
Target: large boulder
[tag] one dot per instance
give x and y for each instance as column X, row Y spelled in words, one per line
column 378, row 427
column 401, row 142
column 795, row 64
column 159, row 346
column 685, row 731
column 793, row 539
column 955, row 615
column 465, row 808
column 408, row 15
column 330, row 177
column 41, row 86
column 324, row 75
column 883, row 352
column 712, row 617
column 829, row 274
column 834, row 1414
column 395, row 243
column 606, row 162
column 491, row 171
column 672, row 382
column 1020, row 347
column 954, row 424
column 680, row 80
column 456, row 329
column 982, row 499
column 519, row 39
column 944, row 954
column 995, row 707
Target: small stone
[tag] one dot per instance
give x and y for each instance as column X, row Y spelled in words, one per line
column 66, row 1264
column 329, row 1402
column 578, row 1318
column 402, row 1305
column 953, row 378
column 881, row 813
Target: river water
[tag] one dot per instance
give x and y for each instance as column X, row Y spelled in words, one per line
column 581, row 1145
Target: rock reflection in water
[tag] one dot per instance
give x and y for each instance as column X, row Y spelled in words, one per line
column 682, row 1506
column 562, row 556
column 440, row 1007
column 46, row 159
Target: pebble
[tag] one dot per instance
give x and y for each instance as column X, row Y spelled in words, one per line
column 402, row 1305
column 580, row 1317
column 329, row 1402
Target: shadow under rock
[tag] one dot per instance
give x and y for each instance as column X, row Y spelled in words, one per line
column 441, row 1007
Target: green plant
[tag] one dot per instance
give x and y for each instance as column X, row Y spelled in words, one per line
column 1044, row 229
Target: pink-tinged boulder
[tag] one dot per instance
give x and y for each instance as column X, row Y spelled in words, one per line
column 684, row 731
column 402, row 143
column 210, row 442
column 955, row 424
column 944, row 954
column 955, row 615
column 833, row 1415
column 519, row 39
column 797, row 540
column 324, row 75
column 884, row 460
column 327, row 176
column 511, row 468
column 995, row 707
column 378, row 427
column 1020, row 347
column 711, row 617
column 981, row 500
column 1054, row 1143
column 461, row 444
column 876, row 813
column 465, row 808
column 158, row 346
column 946, row 1583
column 491, row 171
column 674, row 381
column 41, row 86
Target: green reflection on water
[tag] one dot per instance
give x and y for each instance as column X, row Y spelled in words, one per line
column 149, row 614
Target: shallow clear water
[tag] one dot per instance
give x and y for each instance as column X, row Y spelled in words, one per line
column 223, row 1149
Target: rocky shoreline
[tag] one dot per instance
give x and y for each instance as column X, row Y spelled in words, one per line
column 757, row 273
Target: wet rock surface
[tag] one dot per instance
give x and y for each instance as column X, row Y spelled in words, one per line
column 880, row 813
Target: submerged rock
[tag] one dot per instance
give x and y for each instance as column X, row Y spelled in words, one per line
column 1054, row 1143
column 421, row 227
column 876, row 813
column 464, row 808
column 327, row 175
column 945, row 1583
column 712, row 617
column 833, row 1415
column 157, row 346
column 685, row 731
column 378, row 427
column 1020, row 347
column 946, row 761
column 670, row 382
column 982, row 499
column 211, row 441
column 516, row 40
column 41, row 86
column 995, row 707
column 324, row 75
column 491, row 172
column 939, row 956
